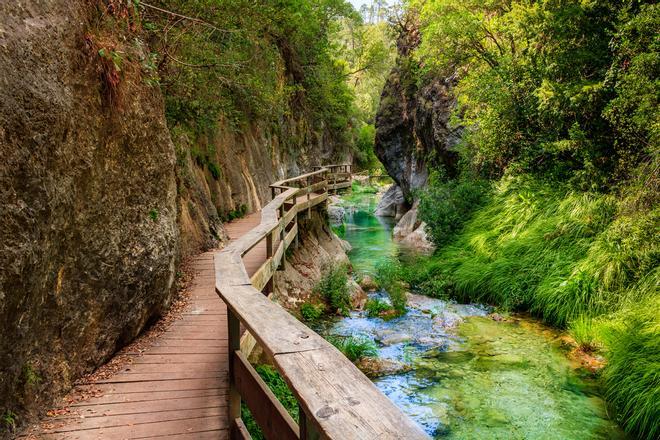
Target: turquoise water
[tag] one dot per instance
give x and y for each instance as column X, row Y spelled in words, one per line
column 470, row 377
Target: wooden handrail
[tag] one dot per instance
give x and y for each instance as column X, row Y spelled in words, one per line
column 336, row 400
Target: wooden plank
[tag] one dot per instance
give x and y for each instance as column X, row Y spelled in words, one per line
column 124, row 420
column 273, row 419
column 150, row 396
column 239, row 430
column 280, row 332
column 340, row 400
column 263, row 274
column 166, row 428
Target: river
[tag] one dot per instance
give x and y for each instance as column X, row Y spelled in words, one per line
column 470, row 377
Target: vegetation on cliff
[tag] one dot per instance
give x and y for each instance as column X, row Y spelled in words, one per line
column 553, row 205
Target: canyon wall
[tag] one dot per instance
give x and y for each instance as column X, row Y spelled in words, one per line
column 100, row 200
column 88, row 227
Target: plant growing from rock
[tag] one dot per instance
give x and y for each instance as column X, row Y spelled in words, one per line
column 333, row 288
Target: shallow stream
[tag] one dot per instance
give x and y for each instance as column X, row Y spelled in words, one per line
column 469, row 376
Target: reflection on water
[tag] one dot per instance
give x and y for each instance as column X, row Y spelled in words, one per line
column 471, row 377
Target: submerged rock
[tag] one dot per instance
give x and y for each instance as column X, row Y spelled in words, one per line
column 376, row 367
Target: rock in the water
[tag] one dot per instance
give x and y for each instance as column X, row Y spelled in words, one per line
column 375, row 367
column 368, row 283
column 358, row 296
column 392, row 204
column 410, row 231
column 336, row 214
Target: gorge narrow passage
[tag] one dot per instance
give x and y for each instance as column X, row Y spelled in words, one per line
column 462, row 371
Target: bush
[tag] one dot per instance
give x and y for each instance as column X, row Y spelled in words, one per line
column 333, row 288
column 585, row 333
column 445, row 206
column 311, row 312
column 389, row 276
column 354, row 347
column 375, row 307
column 279, row 387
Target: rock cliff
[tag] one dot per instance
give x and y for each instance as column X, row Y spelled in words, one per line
column 413, row 127
column 100, row 199
column 88, row 227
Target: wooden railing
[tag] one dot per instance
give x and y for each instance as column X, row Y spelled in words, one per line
column 339, row 176
column 336, row 400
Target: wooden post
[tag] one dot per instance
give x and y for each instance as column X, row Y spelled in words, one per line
column 282, row 235
column 307, row 429
column 309, row 209
column 272, row 192
column 234, row 327
column 268, row 288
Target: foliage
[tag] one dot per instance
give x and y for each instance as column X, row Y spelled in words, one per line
column 153, row 214
column 446, row 205
column 541, row 88
column 388, row 276
column 354, row 347
column 632, row 373
column 310, row 312
column 8, row 421
column 279, row 387
column 358, row 188
column 376, row 307
column 333, row 288
column 239, row 212
column 364, row 148
column 585, row 333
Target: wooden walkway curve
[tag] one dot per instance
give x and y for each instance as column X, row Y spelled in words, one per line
column 176, row 388
column 188, row 382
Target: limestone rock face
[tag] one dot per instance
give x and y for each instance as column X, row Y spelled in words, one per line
column 412, row 122
column 88, row 213
column 392, row 203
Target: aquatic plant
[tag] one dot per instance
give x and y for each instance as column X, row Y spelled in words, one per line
column 389, row 278
column 354, row 347
column 376, row 306
column 333, row 288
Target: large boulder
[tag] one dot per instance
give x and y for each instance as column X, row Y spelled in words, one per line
column 411, row 232
column 392, row 203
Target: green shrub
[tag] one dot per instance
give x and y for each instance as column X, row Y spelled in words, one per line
column 214, row 170
column 279, row 387
column 445, row 206
column 311, row 312
column 389, row 276
column 333, row 288
column 375, row 307
column 357, row 187
column 354, row 347
column 153, row 214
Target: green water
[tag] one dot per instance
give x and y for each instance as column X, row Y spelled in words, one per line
column 471, row 377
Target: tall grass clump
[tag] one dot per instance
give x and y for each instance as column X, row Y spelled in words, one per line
column 632, row 373
column 354, row 347
column 333, row 288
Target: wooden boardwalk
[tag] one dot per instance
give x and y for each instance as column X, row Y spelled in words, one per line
column 176, row 388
